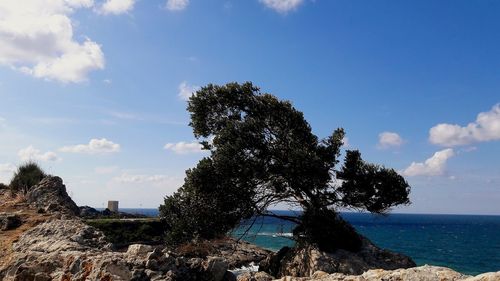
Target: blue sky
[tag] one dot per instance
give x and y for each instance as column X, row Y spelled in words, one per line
column 95, row 90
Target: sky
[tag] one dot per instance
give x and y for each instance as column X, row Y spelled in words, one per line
column 95, row 90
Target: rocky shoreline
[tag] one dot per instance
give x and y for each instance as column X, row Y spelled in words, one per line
column 43, row 238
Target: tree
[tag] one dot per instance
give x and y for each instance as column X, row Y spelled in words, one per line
column 26, row 176
column 262, row 152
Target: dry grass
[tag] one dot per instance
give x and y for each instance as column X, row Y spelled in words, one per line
column 199, row 249
column 29, row 216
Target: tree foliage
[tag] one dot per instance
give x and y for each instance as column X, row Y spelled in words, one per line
column 263, row 152
column 26, row 176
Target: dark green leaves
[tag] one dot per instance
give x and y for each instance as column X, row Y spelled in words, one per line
column 370, row 187
column 263, row 152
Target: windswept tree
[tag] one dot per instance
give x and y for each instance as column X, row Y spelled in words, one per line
column 262, row 153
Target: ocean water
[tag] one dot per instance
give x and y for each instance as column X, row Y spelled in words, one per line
column 467, row 243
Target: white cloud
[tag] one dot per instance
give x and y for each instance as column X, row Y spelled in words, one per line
column 93, row 147
column 36, row 37
column 434, row 166
column 32, row 154
column 282, row 6
column 139, row 178
column 177, row 5
column 6, row 171
column 7, row 168
column 186, row 91
column 485, row 128
column 184, row 147
column 116, row 7
column 388, row 140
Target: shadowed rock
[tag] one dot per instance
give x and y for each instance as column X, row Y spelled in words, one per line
column 9, row 221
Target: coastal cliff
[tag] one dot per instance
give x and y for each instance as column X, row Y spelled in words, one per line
column 43, row 238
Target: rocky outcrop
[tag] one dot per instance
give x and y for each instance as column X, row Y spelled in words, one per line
column 421, row 273
column 54, row 244
column 68, row 249
column 50, row 196
column 61, row 235
column 305, row 259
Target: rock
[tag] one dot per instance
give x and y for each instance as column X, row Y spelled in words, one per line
column 50, row 194
column 490, row 276
column 305, row 259
column 216, row 266
column 254, row 276
column 155, row 254
column 88, row 212
column 229, row 276
column 319, row 274
column 139, row 275
column 138, row 250
column 238, row 253
column 152, row 264
column 272, row 263
column 40, row 276
column 422, row 273
column 60, row 235
column 9, row 221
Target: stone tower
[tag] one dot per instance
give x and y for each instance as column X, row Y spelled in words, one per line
column 113, row 206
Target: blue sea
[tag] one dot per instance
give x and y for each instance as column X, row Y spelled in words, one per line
column 466, row 243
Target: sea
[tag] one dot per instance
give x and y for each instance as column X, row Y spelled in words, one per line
column 469, row 244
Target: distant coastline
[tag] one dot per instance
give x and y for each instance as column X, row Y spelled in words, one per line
column 152, row 210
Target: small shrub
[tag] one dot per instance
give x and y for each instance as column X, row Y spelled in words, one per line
column 3, row 186
column 26, row 176
column 125, row 232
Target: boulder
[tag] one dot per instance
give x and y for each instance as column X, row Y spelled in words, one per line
column 216, row 267
column 50, row 194
column 135, row 250
column 254, row 276
column 60, row 235
column 305, row 259
column 9, row 221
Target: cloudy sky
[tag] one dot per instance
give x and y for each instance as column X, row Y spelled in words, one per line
column 95, row 90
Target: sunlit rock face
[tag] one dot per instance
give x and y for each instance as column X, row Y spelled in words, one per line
column 50, row 196
column 305, row 259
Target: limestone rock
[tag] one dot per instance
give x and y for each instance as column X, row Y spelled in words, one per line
column 60, row 235
column 50, row 194
column 422, row 273
column 239, row 253
column 490, row 276
column 254, row 276
column 138, row 250
column 304, row 260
